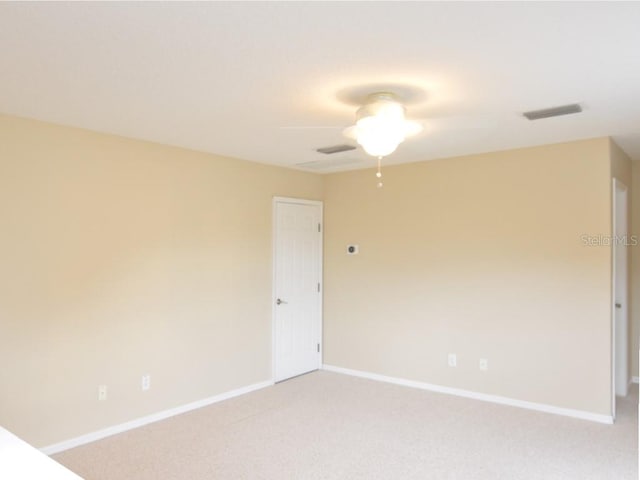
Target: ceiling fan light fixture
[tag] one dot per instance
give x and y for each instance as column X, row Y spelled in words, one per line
column 381, row 125
column 378, row 138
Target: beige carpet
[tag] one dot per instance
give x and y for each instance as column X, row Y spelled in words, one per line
column 329, row 426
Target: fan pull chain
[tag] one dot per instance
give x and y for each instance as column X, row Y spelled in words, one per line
column 379, row 173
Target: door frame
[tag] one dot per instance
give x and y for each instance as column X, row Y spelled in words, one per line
column 274, row 237
column 618, row 188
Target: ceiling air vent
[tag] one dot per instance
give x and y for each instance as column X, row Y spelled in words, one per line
column 553, row 112
column 335, row 149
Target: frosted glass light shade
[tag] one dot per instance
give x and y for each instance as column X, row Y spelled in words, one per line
column 381, row 125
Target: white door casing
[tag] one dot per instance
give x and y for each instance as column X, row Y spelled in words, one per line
column 620, row 360
column 297, row 287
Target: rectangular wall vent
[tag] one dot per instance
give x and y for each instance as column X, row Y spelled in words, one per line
column 553, row 112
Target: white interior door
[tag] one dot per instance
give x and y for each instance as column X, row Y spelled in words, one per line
column 620, row 290
column 297, row 297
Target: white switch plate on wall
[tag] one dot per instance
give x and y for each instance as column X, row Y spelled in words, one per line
column 452, row 360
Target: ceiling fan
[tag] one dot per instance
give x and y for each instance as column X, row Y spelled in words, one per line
column 380, row 126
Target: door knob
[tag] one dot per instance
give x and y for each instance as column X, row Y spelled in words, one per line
column 280, row 302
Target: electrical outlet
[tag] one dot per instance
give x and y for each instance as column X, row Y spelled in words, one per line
column 453, row 360
column 484, row 364
column 146, row 382
column 102, row 392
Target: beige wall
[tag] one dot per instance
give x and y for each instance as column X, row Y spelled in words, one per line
column 120, row 258
column 620, row 164
column 481, row 256
column 635, row 268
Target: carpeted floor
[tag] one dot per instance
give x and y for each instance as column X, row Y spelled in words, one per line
column 329, row 426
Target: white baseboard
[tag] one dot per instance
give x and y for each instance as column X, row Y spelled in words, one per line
column 139, row 422
column 541, row 407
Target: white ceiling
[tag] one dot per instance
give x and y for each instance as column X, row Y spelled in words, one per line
column 227, row 77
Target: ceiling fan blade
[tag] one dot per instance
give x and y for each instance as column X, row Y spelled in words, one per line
column 461, row 122
column 301, row 127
